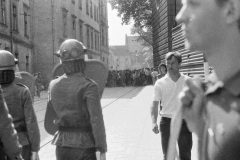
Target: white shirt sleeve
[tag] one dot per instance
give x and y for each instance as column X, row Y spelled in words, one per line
column 157, row 96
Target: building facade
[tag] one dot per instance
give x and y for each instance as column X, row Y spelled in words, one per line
column 16, row 31
column 55, row 21
column 131, row 56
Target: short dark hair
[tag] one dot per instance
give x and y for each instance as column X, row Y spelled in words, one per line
column 177, row 55
column 162, row 65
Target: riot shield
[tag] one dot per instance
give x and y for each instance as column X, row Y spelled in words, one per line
column 95, row 70
column 26, row 79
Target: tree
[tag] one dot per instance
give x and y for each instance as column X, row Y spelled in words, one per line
column 145, row 35
column 139, row 11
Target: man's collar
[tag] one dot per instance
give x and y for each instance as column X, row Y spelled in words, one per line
column 168, row 76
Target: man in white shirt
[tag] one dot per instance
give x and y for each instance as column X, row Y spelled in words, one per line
column 166, row 90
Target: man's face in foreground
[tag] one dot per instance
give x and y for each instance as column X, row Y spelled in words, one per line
column 173, row 66
column 202, row 24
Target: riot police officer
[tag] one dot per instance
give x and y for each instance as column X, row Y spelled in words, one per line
column 9, row 144
column 20, row 105
column 76, row 102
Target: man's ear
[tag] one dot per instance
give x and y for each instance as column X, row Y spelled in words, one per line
column 232, row 11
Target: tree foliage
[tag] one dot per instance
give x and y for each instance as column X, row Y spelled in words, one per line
column 145, row 35
column 140, row 13
column 137, row 10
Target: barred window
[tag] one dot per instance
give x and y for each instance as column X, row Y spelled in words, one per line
column 3, row 11
column 15, row 18
column 87, row 8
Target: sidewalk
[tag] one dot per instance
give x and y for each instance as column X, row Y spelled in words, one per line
column 128, row 129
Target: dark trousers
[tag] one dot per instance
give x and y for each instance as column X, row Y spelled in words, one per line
column 184, row 140
column 68, row 153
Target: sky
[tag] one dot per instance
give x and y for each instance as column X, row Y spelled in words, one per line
column 116, row 30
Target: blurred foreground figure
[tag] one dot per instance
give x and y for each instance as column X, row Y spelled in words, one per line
column 19, row 103
column 212, row 26
column 9, row 145
column 76, row 101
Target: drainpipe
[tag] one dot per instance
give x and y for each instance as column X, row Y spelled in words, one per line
column 11, row 28
column 53, row 32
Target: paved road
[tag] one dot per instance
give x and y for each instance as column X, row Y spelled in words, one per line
column 127, row 122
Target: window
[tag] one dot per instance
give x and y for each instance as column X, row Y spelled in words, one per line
column 99, row 45
column 88, row 37
column 80, row 4
column 64, row 23
column 103, row 37
column 94, row 12
column 15, row 18
column 91, row 9
column 3, row 11
column 97, row 14
column 87, row 9
column 80, row 30
column 92, row 42
column 96, row 47
column 99, row 38
column 27, row 63
column 25, row 24
column 106, row 39
column 90, row 56
column 73, row 26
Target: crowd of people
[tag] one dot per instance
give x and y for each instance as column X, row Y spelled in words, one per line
column 136, row 77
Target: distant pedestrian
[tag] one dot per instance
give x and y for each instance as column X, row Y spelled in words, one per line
column 38, row 83
column 162, row 70
column 166, row 90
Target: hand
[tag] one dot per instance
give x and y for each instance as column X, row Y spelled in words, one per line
column 34, row 156
column 102, row 156
column 192, row 98
column 155, row 128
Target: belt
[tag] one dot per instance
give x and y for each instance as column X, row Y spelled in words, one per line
column 75, row 129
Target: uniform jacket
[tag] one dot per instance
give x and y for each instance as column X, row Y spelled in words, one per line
column 20, row 105
column 221, row 136
column 8, row 135
column 76, row 102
